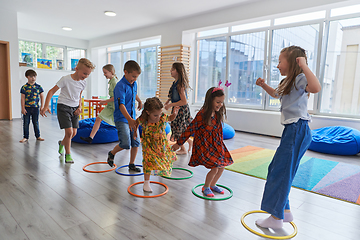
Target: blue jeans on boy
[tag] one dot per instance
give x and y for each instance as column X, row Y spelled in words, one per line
column 295, row 140
column 126, row 137
column 32, row 112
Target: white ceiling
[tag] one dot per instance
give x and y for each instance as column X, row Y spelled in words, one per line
column 87, row 19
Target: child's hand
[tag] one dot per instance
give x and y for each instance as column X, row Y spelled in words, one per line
column 77, row 111
column 167, row 106
column 175, row 147
column 260, row 82
column 176, row 109
column 132, row 125
column 301, row 61
column 140, row 106
column 44, row 110
column 23, row 111
column 102, row 102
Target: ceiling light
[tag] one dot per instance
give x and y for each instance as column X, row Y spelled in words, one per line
column 67, row 28
column 110, row 13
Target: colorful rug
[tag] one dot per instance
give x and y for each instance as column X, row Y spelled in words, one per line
column 334, row 179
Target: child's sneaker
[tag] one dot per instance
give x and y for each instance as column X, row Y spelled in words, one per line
column 217, row 189
column 61, row 148
column 110, row 159
column 134, row 168
column 87, row 139
column 207, row 192
column 68, row 158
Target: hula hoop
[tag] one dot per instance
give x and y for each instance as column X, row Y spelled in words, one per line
column 127, row 174
column 210, row 198
column 151, row 196
column 182, row 178
column 264, row 235
column 93, row 171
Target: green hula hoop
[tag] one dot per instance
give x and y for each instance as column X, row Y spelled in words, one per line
column 210, row 198
column 182, row 178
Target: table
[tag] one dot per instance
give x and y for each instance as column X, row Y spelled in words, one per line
column 94, row 103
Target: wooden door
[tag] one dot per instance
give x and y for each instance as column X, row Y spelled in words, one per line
column 5, row 82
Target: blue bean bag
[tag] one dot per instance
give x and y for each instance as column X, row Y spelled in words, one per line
column 167, row 129
column 105, row 134
column 336, row 140
column 228, row 131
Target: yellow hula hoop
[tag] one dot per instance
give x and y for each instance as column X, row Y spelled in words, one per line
column 264, row 235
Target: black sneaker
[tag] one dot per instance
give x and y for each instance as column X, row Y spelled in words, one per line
column 110, row 159
column 132, row 167
column 87, row 139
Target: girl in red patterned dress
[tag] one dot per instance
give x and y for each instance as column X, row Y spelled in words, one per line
column 209, row 149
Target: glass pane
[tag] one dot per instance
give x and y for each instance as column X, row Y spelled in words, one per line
column 115, row 60
column 56, row 54
column 74, row 54
column 345, row 10
column 211, row 65
column 131, row 55
column 213, row 32
column 246, row 65
column 300, row 18
column 304, row 36
column 341, row 87
column 32, row 48
column 248, row 26
column 147, row 82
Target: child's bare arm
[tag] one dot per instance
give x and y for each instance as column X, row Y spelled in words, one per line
column 131, row 121
column 42, row 99
column 182, row 101
column 47, row 101
column 271, row 91
column 313, row 82
column 23, row 110
column 173, row 115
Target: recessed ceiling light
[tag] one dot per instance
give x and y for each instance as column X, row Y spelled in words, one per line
column 110, row 13
column 67, row 28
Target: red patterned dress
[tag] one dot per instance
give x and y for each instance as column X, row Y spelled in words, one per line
column 208, row 149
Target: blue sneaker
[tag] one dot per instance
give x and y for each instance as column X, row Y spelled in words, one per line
column 217, row 189
column 207, row 192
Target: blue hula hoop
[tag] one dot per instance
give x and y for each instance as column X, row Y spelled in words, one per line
column 125, row 174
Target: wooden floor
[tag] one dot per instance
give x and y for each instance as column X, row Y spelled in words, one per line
column 43, row 198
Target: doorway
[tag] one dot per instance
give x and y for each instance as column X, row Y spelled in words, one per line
column 5, row 82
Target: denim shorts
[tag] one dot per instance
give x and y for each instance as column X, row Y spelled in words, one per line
column 126, row 137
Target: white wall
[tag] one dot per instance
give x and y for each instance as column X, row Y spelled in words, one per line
column 8, row 33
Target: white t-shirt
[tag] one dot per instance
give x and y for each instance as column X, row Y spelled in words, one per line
column 70, row 90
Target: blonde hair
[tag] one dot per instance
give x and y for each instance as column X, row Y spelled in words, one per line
column 86, row 62
column 110, row 68
column 288, row 83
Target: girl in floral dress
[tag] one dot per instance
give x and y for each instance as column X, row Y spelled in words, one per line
column 158, row 157
column 209, row 149
column 177, row 97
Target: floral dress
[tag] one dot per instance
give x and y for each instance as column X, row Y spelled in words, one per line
column 107, row 114
column 208, row 149
column 158, row 157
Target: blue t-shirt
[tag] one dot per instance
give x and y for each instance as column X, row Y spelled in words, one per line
column 294, row 105
column 124, row 93
column 32, row 94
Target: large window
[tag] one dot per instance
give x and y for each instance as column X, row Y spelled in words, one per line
column 341, row 84
column 29, row 52
column 211, row 65
column 148, row 77
column 246, row 62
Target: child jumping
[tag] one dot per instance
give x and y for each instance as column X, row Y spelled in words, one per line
column 125, row 94
column 107, row 114
column 69, row 103
column 158, row 157
column 177, row 97
column 296, row 137
column 209, row 149
column 31, row 94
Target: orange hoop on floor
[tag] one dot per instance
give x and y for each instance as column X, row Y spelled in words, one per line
column 93, row 171
column 151, row 196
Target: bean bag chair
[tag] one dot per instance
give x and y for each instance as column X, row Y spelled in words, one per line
column 228, row 131
column 105, row 134
column 336, row 140
column 167, row 129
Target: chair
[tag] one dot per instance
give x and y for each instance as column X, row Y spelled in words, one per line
column 54, row 100
column 83, row 108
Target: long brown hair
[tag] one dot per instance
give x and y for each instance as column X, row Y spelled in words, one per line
column 288, row 83
column 150, row 105
column 110, row 68
column 208, row 105
column 183, row 81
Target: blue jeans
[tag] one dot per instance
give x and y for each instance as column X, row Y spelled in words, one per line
column 295, row 140
column 32, row 112
column 126, row 137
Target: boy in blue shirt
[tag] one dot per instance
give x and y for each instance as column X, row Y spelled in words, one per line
column 31, row 94
column 125, row 94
